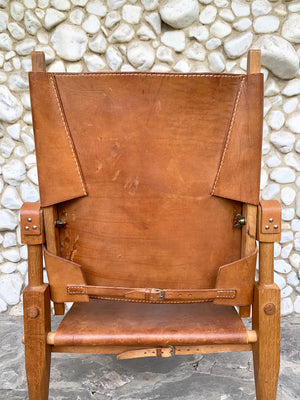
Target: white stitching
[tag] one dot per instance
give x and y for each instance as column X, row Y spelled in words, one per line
column 228, row 135
column 67, row 133
column 145, row 301
column 139, row 74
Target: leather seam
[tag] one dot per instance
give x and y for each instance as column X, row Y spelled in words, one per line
column 139, row 74
column 228, row 134
column 145, row 301
column 67, row 133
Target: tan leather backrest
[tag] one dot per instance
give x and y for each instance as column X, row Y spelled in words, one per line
column 148, row 170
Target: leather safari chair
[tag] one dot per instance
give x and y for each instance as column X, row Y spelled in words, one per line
column 148, row 220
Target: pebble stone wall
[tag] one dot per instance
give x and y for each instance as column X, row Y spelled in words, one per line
column 159, row 36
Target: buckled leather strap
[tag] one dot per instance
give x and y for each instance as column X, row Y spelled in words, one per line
column 151, row 294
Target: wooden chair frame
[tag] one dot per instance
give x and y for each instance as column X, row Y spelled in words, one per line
column 263, row 339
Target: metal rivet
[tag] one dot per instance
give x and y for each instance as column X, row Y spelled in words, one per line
column 275, row 226
column 34, row 227
column 26, row 228
column 267, row 227
column 270, row 219
column 29, row 219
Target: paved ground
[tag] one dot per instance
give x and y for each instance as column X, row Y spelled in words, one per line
column 100, row 377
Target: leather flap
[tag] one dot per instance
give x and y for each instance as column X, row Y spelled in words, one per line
column 240, row 275
column 61, row 273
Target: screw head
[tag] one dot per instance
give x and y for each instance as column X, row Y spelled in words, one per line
column 270, row 219
column 26, row 228
column 34, row 227
column 267, row 227
column 275, row 226
column 29, row 219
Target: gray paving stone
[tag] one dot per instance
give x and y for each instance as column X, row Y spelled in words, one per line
column 103, row 377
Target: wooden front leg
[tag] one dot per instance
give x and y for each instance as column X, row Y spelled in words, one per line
column 266, row 306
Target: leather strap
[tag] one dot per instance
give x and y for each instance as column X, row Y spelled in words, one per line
column 171, row 351
column 151, row 294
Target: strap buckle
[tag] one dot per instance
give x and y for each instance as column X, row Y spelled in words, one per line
column 162, row 293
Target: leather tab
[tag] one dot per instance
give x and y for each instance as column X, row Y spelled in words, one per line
column 269, row 221
column 31, row 224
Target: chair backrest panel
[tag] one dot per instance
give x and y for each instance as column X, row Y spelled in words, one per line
column 149, row 148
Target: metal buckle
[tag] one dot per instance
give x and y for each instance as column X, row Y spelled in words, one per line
column 172, row 350
column 162, row 293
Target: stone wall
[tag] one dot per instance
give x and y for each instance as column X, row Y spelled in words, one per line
column 170, row 35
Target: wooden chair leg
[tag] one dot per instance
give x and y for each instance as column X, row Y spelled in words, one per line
column 37, row 353
column 266, row 351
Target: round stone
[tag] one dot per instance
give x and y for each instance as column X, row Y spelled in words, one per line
column 6, row 146
column 283, row 175
column 11, row 108
column 182, row 66
column 8, row 220
column 26, row 47
column 242, row 24
column 291, row 28
column 53, row 18
column 97, row 7
column 16, row 31
column 62, row 5
column 283, row 141
column 10, row 288
column 18, row 82
column 29, row 192
column 266, row 24
column 112, row 19
column 141, row 55
column 174, row 39
column 288, row 195
column 32, row 24
column 165, row 54
column 260, row 7
column 270, row 191
column 145, row 33
column 91, row 25
column 11, row 199
column 17, row 10
column 5, row 42
column 132, row 14
column 241, row 8
column 220, row 29
column 293, row 122
column 94, row 63
column 98, row 44
column 208, row 15
column 276, row 119
column 196, row 52
column 179, row 13
column 155, row 21
column 292, row 160
column 286, row 306
column 292, row 88
column 114, row 58
column 69, row 42
column 150, row 4
column 282, row 267
column 14, row 172
column 123, row 33
column 278, row 55
column 238, row 45
column 216, row 61
column 200, row 33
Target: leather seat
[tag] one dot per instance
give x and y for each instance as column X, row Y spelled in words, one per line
column 137, row 324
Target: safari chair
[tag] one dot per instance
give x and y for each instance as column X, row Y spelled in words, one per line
column 148, row 219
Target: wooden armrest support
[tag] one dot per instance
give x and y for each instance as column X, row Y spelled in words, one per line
column 32, row 224
column 269, row 221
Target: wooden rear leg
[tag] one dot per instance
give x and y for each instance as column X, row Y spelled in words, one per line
column 37, row 352
column 266, row 351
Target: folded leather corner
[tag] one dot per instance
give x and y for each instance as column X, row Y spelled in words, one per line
column 61, row 273
column 239, row 275
column 238, row 173
column 56, row 154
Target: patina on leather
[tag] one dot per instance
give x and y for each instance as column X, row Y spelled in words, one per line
column 158, row 166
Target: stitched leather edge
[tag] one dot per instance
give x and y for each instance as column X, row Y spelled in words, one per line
column 67, row 131
column 228, row 136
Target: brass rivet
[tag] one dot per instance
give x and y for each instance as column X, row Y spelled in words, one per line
column 26, row 228
column 33, row 312
column 275, row 226
column 34, row 227
column 269, row 308
column 270, row 219
column 267, row 227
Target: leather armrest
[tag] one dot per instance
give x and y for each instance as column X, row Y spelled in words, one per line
column 32, row 224
column 269, row 221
